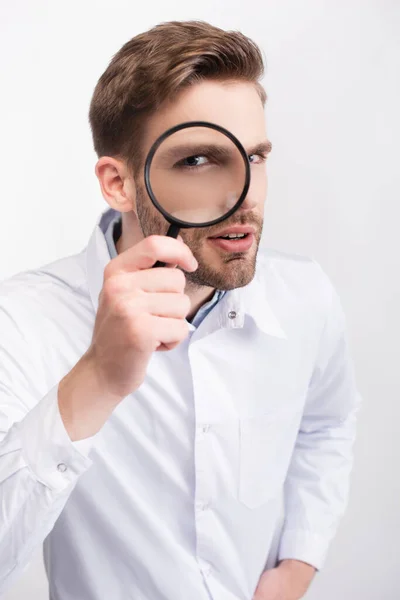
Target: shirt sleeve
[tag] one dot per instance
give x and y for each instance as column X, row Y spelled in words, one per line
column 39, row 467
column 317, row 484
column 39, row 464
column 45, row 446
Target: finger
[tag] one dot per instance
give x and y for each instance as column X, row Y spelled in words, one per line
column 173, row 266
column 169, row 332
column 148, row 280
column 171, row 306
column 166, row 347
column 148, row 251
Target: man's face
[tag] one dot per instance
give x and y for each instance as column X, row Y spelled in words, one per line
column 237, row 107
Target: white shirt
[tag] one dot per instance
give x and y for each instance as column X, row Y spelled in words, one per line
column 234, row 453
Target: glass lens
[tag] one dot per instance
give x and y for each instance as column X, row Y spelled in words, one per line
column 197, row 174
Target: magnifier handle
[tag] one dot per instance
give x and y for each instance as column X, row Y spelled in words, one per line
column 173, row 232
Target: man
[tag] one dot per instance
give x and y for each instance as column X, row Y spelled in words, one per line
column 174, row 433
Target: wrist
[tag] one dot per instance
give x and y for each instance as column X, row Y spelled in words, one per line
column 84, row 406
column 300, row 573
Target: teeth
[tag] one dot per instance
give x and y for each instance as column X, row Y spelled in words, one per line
column 232, row 236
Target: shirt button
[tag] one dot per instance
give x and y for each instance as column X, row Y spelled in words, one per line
column 207, row 571
column 205, row 428
column 232, row 314
column 62, row 467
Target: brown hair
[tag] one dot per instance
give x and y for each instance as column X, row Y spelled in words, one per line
column 153, row 67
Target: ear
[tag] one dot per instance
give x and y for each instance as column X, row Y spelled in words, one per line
column 116, row 183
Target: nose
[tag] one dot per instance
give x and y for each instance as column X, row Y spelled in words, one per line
column 257, row 191
column 249, row 203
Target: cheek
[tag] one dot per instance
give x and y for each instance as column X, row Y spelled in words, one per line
column 259, row 186
column 263, row 182
column 197, row 242
column 191, row 238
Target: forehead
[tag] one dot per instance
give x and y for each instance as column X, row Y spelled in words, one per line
column 234, row 105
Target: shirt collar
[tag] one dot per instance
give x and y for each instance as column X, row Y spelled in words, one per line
column 250, row 300
column 253, row 302
column 98, row 256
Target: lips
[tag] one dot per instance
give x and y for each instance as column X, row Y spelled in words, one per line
column 235, row 229
column 233, row 245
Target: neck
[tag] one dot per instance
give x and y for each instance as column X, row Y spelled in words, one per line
column 132, row 234
column 198, row 295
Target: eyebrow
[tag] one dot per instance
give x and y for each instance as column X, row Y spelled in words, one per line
column 262, row 148
column 217, row 151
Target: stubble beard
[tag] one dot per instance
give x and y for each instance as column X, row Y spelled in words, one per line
column 236, row 269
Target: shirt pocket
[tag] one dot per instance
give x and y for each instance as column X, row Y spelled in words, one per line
column 266, row 444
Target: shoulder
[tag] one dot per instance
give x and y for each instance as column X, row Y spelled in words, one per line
column 31, row 297
column 297, row 274
column 296, row 286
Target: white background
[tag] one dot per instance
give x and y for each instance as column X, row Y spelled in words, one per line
column 333, row 117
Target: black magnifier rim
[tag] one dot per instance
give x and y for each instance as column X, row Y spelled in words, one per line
column 173, row 220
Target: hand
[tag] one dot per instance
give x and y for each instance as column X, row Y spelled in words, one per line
column 289, row 581
column 141, row 310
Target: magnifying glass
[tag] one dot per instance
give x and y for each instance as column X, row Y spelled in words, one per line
column 197, row 174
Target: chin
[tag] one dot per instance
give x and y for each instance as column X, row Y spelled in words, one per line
column 238, row 281
column 234, row 274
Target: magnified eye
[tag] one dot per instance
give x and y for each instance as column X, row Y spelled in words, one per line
column 192, row 161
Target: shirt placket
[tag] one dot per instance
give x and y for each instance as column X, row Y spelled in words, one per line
column 203, row 496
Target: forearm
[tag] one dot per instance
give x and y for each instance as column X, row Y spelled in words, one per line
column 26, row 524
column 299, row 573
column 318, row 480
column 290, row 580
column 39, row 466
column 83, row 404
column 317, row 491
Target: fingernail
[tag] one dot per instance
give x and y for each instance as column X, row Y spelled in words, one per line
column 194, row 263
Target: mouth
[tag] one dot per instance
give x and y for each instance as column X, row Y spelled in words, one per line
column 234, row 239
